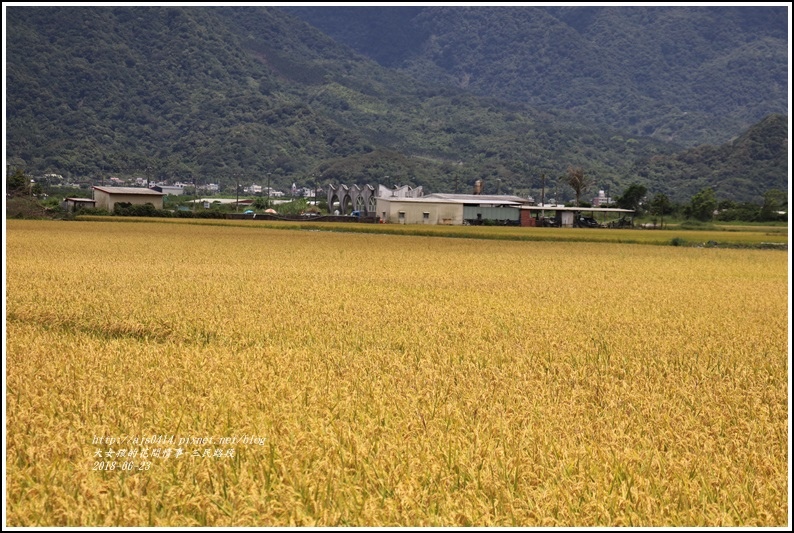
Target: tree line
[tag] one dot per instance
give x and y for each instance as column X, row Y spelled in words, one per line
column 704, row 206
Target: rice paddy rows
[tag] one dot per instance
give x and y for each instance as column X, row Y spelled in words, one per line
column 394, row 380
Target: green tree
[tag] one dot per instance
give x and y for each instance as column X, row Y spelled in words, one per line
column 36, row 190
column 660, row 206
column 17, row 183
column 578, row 181
column 632, row 197
column 774, row 200
column 702, row 205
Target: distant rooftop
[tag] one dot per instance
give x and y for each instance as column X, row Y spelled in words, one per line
column 128, row 190
column 86, row 200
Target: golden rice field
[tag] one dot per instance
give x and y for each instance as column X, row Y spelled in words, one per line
column 386, row 380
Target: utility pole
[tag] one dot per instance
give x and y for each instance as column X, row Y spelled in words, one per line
column 237, row 190
column 557, row 192
column 191, row 179
column 268, row 190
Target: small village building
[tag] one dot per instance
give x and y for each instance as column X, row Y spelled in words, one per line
column 107, row 197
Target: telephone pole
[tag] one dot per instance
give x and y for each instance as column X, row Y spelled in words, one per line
column 268, row 190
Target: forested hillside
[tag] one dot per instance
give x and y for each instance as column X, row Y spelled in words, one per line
column 745, row 168
column 692, row 75
column 221, row 94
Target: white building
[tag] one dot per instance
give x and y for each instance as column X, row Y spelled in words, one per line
column 601, row 199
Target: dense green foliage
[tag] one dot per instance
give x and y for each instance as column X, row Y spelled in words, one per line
column 228, row 94
column 689, row 74
column 17, row 183
column 632, row 197
column 744, row 169
column 660, row 206
column 125, row 209
column 773, row 209
column 702, row 205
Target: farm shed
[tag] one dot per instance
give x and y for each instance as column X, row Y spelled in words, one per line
column 107, row 197
column 71, row 204
column 565, row 217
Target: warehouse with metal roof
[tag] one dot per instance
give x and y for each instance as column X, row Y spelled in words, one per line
column 474, row 209
column 449, row 209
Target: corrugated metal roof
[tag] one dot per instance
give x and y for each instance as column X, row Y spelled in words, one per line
column 129, row 190
column 481, row 198
column 586, row 209
column 421, row 199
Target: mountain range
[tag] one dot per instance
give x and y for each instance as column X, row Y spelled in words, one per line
column 438, row 97
column 692, row 75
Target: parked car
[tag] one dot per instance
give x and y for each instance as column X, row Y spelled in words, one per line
column 587, row 222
